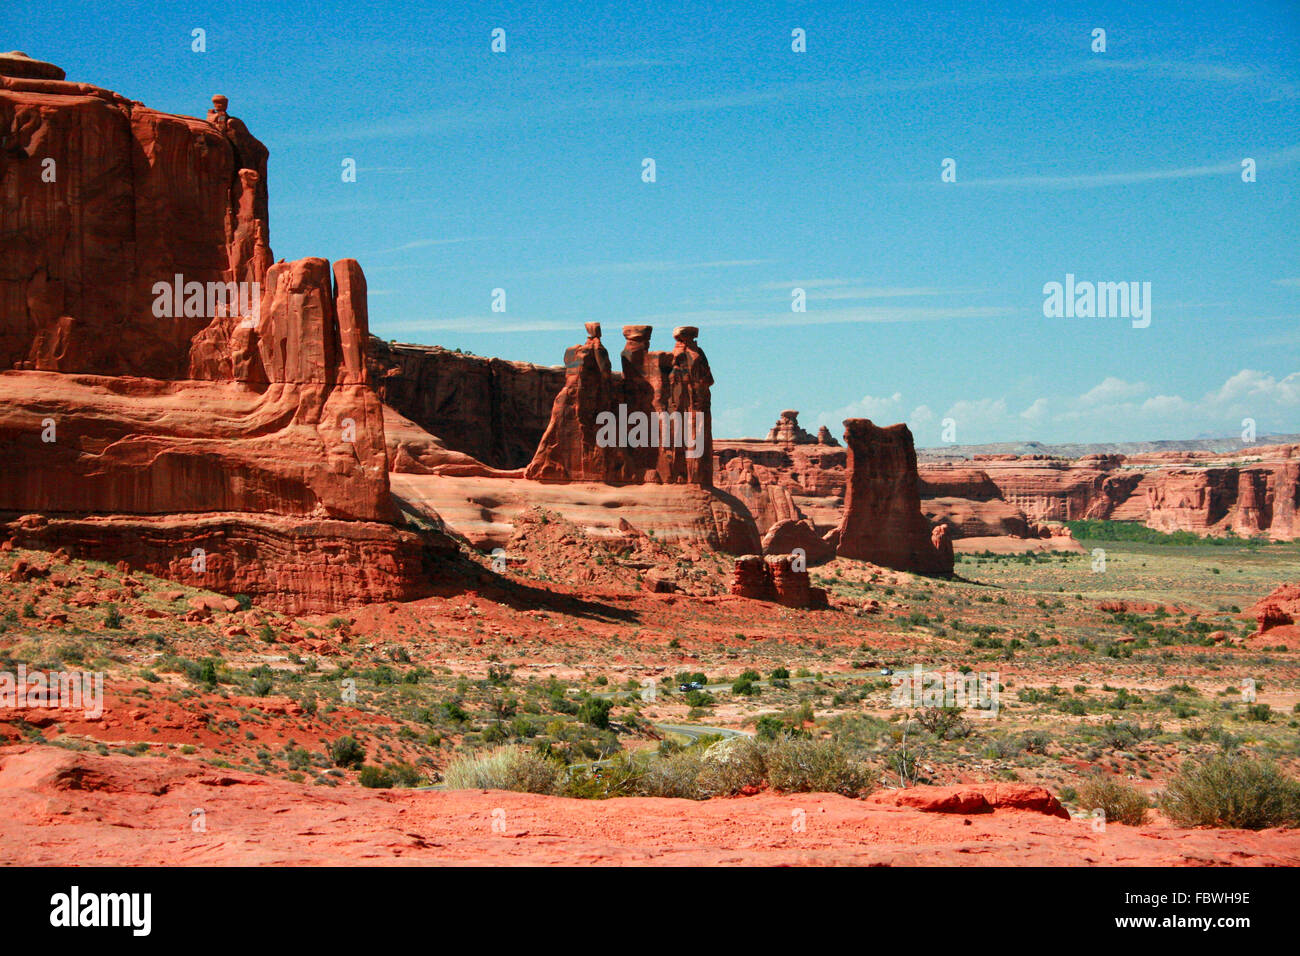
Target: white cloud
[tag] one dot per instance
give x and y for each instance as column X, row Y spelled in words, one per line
column 1112, row 410
column 1110, row 390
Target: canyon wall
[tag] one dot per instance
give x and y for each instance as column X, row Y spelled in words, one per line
column 1254, row 491
column 493, row 410
column 162, row 371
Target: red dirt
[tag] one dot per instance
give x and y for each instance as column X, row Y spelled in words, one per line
column 74, row 808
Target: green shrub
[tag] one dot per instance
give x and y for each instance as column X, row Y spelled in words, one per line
column 745, row 685
column 699, row 698
column 674, row 775
column 404, row 775
column 1232, row 790
column 595, row 711
column 377, row 778
column 346, row 752
column 1120, row 802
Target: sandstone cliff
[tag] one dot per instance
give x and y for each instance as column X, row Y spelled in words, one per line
column 169, row 388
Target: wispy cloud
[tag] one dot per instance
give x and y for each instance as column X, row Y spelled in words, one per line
column 533, row 108
column 1285, row 157
column 423, row 244
column 649, row 265
column 845, row 316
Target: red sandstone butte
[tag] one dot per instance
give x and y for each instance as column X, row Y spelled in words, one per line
column 144, row 422
column 882, row 520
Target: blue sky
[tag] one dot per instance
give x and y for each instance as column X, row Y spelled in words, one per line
column 775, row 169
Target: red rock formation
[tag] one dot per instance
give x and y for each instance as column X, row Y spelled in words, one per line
column 786, row 431
column 793, row 587
column 784, row 482
column 1280, row 608
column 570, row 449
column 137, row 198
column 787, row 537
column 485, row 512
column 692, row 384
column 300, row 566
column 1255, row 491
column 942, row 542
column 650, row 424
column 489, row 409
column 1283, row 497
column 1190, row 500
column 1251, row 515
column 243, row 419
column 750, row 579
column 824, row 437
column 775, row 579
column 882, row 520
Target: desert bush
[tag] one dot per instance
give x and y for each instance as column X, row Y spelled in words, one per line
column 729, row 766
column 404, row 775
column 944, row 722
column 674, row 775
column 377, row 778
column 596, row 712
column 1232, row 790
column 816, row 766
column 507, row 768
column 1036, row 741
column 1124, row 734
column 346, row 752
column 1120, row 802
column 699, row 698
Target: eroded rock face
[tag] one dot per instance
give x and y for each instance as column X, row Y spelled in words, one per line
column 102, row 200
column 135, row 410
column 485, row 512
column 299, row 566
column 790, row 537
column 776, row 579
column 490, row 409
column 882, row 520
column 651, row 424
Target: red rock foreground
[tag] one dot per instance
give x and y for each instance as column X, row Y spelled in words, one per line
column 64, row 807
